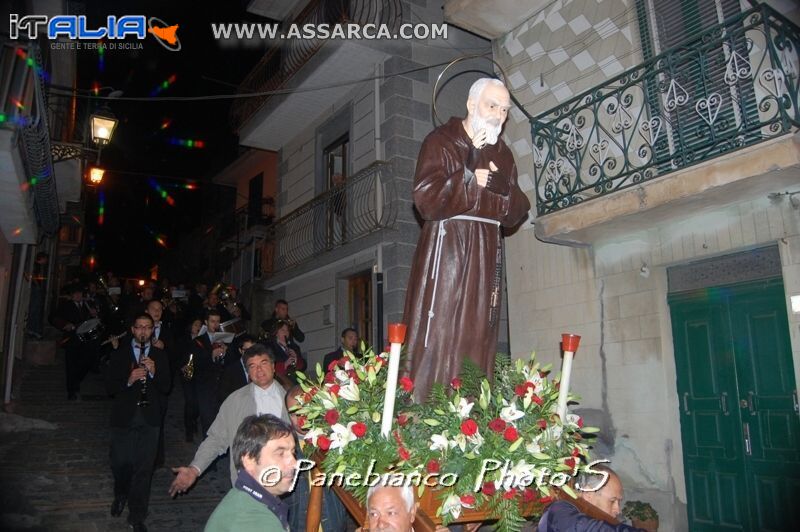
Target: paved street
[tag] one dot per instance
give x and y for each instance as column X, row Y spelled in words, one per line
column 60, row 479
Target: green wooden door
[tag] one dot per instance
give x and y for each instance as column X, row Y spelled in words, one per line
column 739, row 421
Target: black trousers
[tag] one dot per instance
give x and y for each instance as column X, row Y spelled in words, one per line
column 79, row 358
column 208, row 400
column 191, row 408
column 133, row 453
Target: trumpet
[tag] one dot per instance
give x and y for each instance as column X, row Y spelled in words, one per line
column 188, row 369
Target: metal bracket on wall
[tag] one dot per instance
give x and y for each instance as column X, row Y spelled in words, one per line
column 63, row 151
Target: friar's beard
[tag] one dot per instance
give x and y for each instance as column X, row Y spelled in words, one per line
column 493, row 127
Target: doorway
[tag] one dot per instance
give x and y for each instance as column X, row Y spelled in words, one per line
column 738, row 406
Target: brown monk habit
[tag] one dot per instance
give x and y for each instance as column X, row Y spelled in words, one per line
column 463, row 294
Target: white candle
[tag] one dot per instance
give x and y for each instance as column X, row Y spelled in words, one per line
column 397, row 335
column 563, row 391
column 391, row 389
column 569, row 343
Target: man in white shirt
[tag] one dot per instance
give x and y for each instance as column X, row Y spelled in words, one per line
column 263, row 395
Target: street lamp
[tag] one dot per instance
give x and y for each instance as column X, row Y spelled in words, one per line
column 103, row 125
column 96, row 175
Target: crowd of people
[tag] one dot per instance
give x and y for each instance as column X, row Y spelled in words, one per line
column 151, row 341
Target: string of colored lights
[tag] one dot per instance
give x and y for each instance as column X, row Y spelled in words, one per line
column 101, row 56
column 167, row 83
column 187, row 143
column 101, row 207
column 161, row 192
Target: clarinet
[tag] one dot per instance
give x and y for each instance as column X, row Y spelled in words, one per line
column 143, row 401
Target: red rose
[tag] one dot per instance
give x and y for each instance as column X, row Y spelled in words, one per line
column 301, row 421
column 511, row 434
column 569, row 462
column 497, row 425
column 456, row 383
column 468, row 500
column 510, row 494
column 331, row 417
column 576, row 452
column 543, row 374
column 334, row 390
column 546, row 500
column 528, row 495
column 307, row 397
column 580, row 422
column 342, row 361
column 323, row 443
column 407, row 384
column 542, row 424
column 538, row 400
column 332, row 365
column 404, row 454
column 330, row 377
column 402, row 419
column 359, row 429
column 469, row 427
column 433, row 466
column 488, row 488
column 522, row 389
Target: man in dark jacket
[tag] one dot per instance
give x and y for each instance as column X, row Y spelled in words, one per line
column 138, row 377
column 603, row 490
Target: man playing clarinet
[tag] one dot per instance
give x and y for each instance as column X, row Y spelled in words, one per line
column 138, row 377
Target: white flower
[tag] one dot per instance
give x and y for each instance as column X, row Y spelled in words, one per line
column 511, row 413
column 348, row 365
column 341, row 376
column 439, row 442
column 534, row 446
column 519, row 476
column 462, row 409
column 342, row 435
column 476, row 440
column 452, row 504
column 327, row 402
column 460, row 441
column 573, row 419
column 350, row 392
column 312, row 435
column 554, row 433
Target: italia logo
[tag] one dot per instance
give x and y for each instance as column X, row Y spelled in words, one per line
column 76, row 27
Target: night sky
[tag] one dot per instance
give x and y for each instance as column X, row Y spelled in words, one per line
column 136, row 214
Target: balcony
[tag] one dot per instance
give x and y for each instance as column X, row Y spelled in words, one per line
column 716, row 114
column 363, row 205
column 295, row 61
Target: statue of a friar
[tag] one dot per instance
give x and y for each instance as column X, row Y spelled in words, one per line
column 466, row 191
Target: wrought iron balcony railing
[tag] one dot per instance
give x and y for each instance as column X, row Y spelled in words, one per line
column 283, row 61
column 365, row 203
column 730, row 86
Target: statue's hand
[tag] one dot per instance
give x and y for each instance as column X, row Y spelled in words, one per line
column 479, row 139
column 497, row 182
column 481, row 176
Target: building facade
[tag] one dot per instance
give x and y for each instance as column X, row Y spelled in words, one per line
column 658, row 141
column 345, row 229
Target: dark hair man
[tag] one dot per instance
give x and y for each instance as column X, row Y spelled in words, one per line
column 263, row 452
column 138, row 377
column 263, row 395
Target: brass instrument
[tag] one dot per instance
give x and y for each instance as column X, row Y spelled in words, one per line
column 188, row 369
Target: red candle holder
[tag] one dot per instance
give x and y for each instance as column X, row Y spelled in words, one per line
column 570, row 342
column 397, row 333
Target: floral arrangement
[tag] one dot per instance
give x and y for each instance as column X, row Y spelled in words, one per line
column 501, row 446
